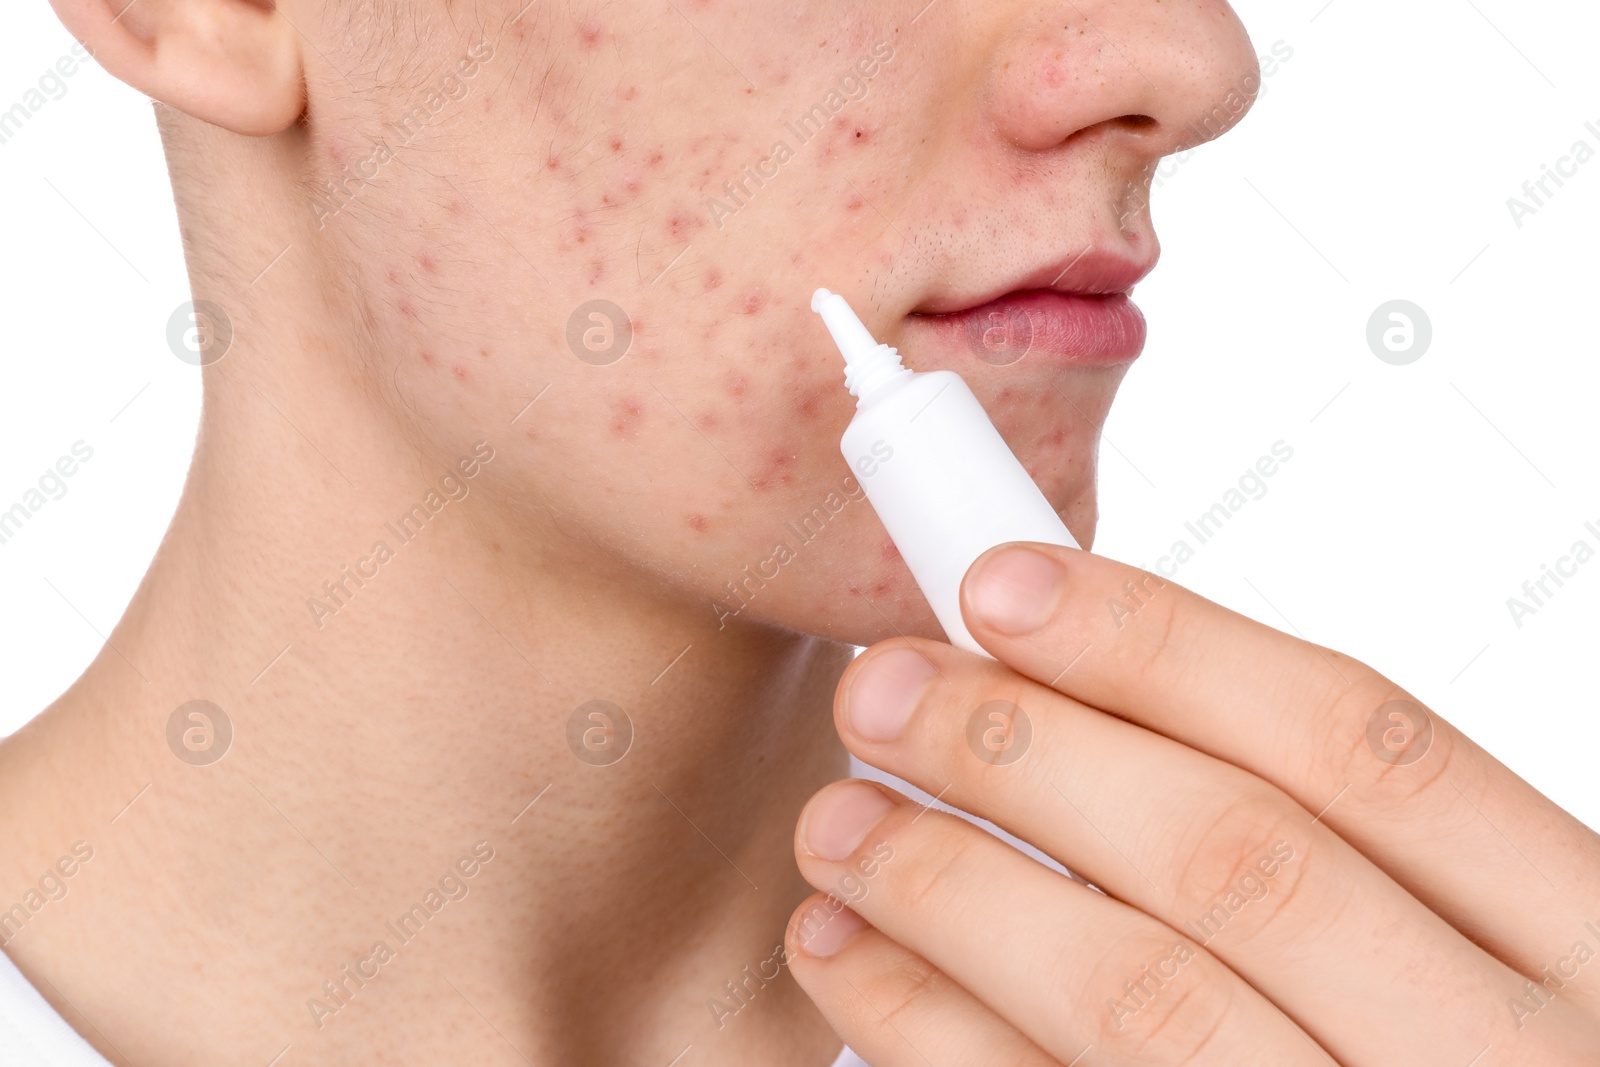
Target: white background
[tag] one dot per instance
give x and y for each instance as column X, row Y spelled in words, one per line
column 1377, row 166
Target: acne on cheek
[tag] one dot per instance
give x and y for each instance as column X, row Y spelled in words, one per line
column 683, row 222
column 778, row 469
column 627, row 416
column 589, row 33
column 809, row 402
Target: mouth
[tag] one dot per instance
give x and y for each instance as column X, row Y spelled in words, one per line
column 1075, row 312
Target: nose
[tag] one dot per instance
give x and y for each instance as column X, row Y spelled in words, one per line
column 1155, row 75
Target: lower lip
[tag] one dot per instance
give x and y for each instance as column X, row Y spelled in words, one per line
column 1042, row 326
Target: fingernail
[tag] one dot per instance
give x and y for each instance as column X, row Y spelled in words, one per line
column 832, row 934
column 838, row 820
column 1017, row 590
column 883, row 696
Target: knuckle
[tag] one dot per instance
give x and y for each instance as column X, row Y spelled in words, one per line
column 1377, row 733
column 1243, row 871
column 925, row 885
column 1169, row 1006
column 903, row 988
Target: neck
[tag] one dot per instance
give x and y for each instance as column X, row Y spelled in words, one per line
column 406, row 662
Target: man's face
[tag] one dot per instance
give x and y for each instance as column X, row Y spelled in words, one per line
column 590, row 232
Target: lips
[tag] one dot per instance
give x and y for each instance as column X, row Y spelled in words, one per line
column 1071, row 313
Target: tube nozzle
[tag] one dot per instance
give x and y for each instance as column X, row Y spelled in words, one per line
column 867, row 364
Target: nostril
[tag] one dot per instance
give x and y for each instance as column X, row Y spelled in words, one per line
column 1137, row 122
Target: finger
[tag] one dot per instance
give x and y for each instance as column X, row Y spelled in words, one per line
column 1068, row 967
column 1195, row 842
column 1445, row 819
column 894, row 1008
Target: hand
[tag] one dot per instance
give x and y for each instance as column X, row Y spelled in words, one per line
column 1298, row 863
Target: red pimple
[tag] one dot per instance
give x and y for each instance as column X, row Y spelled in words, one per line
column 428, row 263
column 655, row 159
column 698, row 523
column 616, row 144
column 713, row 279
column 753, row 301
column 394, row 275
column 629, row 92
column 735, row 385
column 888, row 551
column 625, row 418
column 483, row 353
column 597, row 270
column 807, row 403
column 777, row 471
column 427, row 357
column 406, row 310
column 880, row 588
column 589, row 31
column 460, row 371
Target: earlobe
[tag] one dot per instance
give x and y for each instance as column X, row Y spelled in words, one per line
column 233, row 63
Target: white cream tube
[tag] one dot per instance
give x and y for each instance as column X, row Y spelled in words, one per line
column 939, row 475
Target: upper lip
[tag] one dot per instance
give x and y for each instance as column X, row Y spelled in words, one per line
column 1086, row 272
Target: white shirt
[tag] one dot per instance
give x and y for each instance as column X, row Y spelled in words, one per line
column 32, row 1033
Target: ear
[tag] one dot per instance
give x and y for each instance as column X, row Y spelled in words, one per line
column 233, row 63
